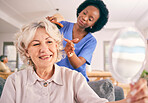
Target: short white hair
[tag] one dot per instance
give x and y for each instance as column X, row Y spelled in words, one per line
column 27, row 33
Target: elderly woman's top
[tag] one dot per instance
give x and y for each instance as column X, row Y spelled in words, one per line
column 65, row 86
column 42, row 80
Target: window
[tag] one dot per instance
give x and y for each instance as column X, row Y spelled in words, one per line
column 106, row 55
column 13, row 59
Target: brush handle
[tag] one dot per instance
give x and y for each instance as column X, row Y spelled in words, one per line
column 54, row 20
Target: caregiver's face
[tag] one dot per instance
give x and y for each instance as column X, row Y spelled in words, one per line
column 88, row 17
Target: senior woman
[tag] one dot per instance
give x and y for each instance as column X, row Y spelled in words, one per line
column 3, row 66
column 40, row 46
column 40, row 43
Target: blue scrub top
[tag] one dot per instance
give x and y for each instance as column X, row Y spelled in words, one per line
column 83, row 48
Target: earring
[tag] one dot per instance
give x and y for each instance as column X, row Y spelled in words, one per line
column 91, row 27
column 28, row 60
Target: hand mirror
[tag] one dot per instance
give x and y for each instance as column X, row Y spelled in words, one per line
column 127, row 55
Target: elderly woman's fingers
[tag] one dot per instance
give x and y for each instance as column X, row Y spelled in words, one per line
column 139, row 85
column 143, row 100
column 139, row 92
column 141, row 95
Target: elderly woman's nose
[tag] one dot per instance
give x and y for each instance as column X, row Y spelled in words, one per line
column 44, row 48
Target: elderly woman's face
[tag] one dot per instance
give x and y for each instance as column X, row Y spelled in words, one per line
column 42, row 49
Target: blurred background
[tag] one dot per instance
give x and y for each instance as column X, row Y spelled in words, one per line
column 122, row 13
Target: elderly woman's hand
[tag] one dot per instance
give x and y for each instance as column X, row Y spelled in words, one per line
column 138, row 93
column 69, row 48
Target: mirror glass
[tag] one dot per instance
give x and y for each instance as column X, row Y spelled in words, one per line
column 127, row 55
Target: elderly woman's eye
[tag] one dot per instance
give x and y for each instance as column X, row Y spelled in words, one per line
column 35, row 44
column 49, row 41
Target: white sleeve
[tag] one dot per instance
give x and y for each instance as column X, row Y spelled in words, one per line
column 84, row 93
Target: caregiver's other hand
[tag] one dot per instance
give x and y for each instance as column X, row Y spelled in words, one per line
column 69, row 48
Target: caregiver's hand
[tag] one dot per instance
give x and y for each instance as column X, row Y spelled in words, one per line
column 69, row 48
column 54, row 20
column 51, row 18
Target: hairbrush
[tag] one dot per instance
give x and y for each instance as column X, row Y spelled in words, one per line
column 59, row 25
column 51, row 19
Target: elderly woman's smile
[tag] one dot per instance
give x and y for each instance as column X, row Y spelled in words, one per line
column 44, row 57
column 42, row 49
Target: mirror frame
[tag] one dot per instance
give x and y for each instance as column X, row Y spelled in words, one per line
column 111, row 69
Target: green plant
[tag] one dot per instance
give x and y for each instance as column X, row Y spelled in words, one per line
column 144, row 74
